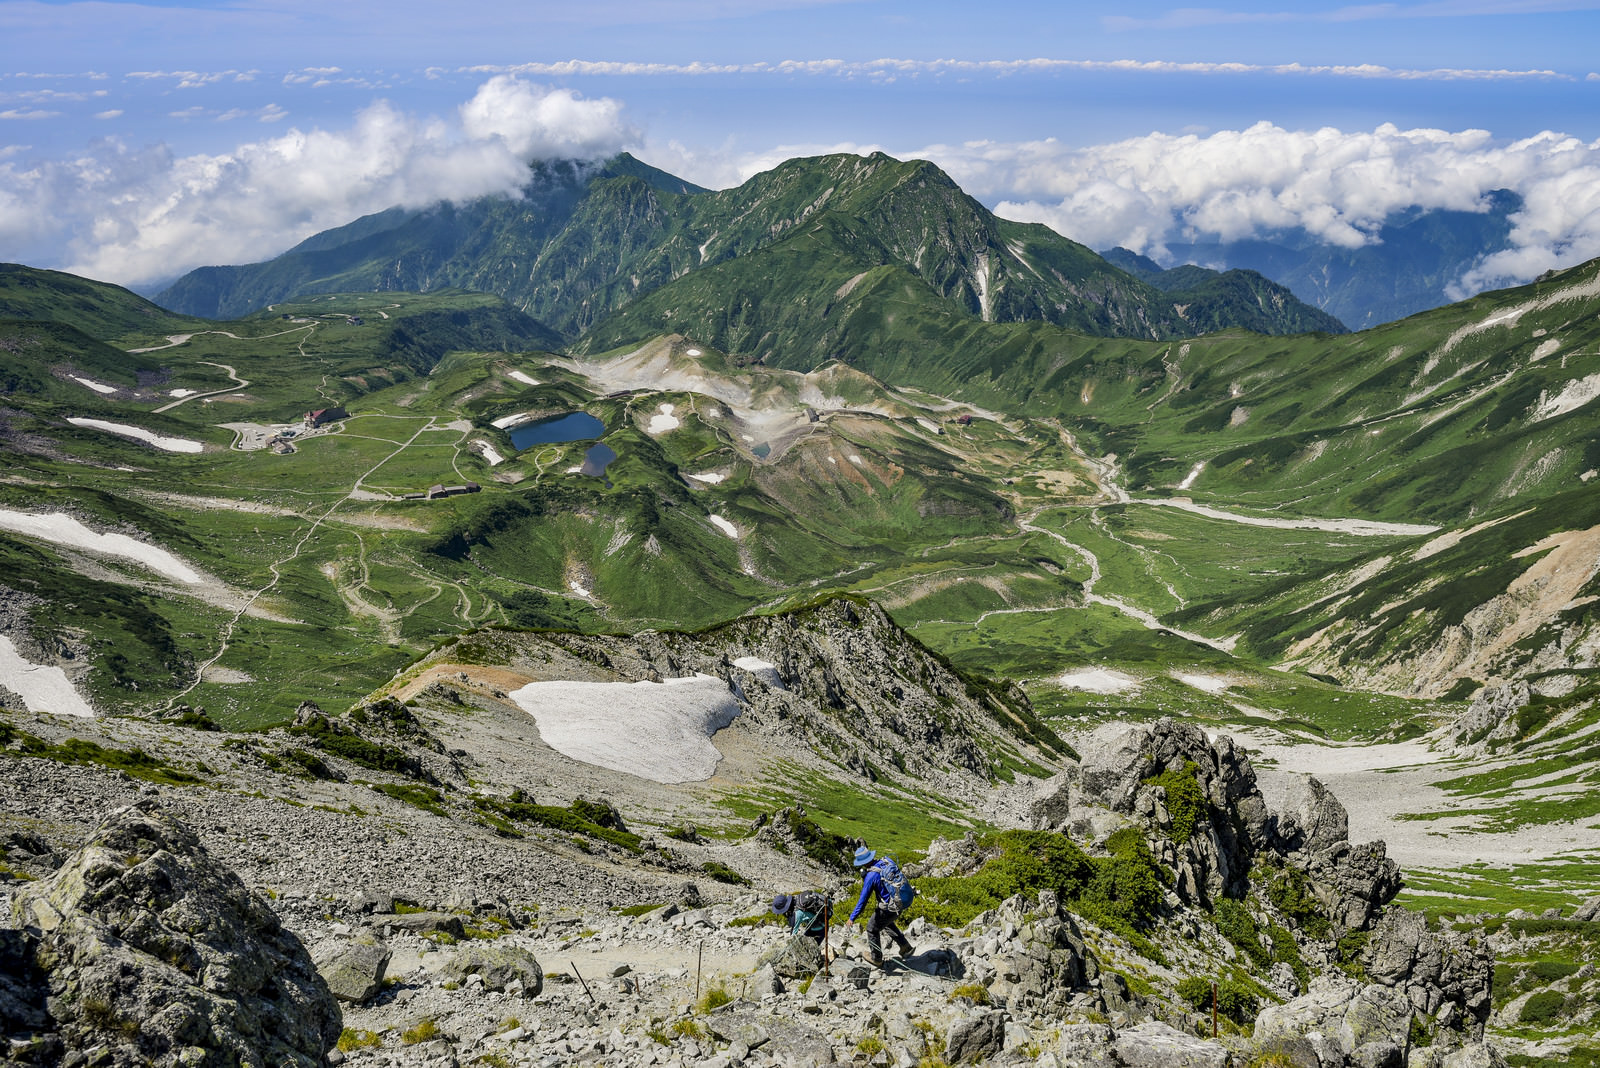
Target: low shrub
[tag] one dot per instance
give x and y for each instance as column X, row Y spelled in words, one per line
column 1542, row 1008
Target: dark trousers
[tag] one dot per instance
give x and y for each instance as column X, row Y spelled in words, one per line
column 882, row 920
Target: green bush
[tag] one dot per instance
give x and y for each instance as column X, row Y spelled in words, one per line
column 1185, row 802
column 1545, row 1007
column 1237, row 1001
column 592, row 818
column 1290, row 891
column 1239, row 927
column 723, row 874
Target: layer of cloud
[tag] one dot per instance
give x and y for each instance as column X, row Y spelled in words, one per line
column 140, row 215
column 891, row 69
column 1340, row 186
column 1192, row 17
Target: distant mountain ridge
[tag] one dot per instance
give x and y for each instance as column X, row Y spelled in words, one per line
column 1417, row 256
column 585, row 242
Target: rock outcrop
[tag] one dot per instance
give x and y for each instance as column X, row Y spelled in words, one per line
column 144, row 947
column 1210, row 822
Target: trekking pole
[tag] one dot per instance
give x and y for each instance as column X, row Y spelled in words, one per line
column 700, row 959
column 579, row 974
column 1213, row 1008
column 827, row 948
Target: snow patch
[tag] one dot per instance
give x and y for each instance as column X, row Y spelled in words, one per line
column 1208, row 683
column 710, row 476
column 42, row 689
column 1574, row 394
column 98, row 387
column 506, row 422
column 928, row 424
column 855, row 459
column 665, row 421
column 61, row 529
column 139, row 433
column 1194, row 473
column 1097, row 680
column 723, row 525
column 578, row 588
column 1546, row 348
column 691, row 352
column 181, row 393
column 490, row 454
column 761, row 669
column 527, row 380
column 659, row 731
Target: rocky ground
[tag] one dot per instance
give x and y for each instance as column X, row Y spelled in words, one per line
column 420, row 880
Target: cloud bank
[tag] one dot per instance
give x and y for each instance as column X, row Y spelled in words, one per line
column 1340, row 186
column 141, row 215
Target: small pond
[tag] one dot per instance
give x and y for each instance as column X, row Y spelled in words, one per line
column 574, row 426
column 596, row 460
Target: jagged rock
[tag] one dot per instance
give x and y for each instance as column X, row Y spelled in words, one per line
column 353, row 969
column 1474, row 1055
column 1153, row 1044
column 1589, row 910
column 1086, row 1045
column 1490, row 718
column 22, row 1003
column 746, row 1028
column 793, row 958
column 152, row 950
column 1434, row 969
column 1382, row 1054
column 500, row 967
column 976, row 1036
column 1350, row 1014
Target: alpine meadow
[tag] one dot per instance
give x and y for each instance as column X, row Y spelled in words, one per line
column 1225, row 680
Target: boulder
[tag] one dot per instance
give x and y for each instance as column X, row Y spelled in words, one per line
column 793, row 958
column 1153, row 1044
column 796, row 1045
column 353, row 968
column 976, row 1037
column 152, row 950
column 1589, row 910
column 1446, row 974
column 500, row 967
column 424, row 923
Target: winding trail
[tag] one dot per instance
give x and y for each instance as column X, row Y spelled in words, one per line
column 239, row 383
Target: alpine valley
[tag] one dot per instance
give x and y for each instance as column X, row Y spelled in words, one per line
column 437, row 644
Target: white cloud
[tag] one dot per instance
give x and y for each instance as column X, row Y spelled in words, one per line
column 889, row 69
column 1338, row 185
column 31, row 114
column 114, row 113
column 135, row 216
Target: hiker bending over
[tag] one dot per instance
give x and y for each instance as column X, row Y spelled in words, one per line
column 805, row 912
column 893, row 890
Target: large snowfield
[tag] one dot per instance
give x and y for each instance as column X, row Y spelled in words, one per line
column 659, row 731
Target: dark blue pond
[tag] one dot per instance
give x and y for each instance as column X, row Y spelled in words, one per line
column 574, row 426
column 596, row 460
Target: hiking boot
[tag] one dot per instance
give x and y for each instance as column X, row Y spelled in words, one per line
column 876, row 960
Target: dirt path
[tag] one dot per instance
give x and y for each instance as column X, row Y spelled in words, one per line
column 239, row 383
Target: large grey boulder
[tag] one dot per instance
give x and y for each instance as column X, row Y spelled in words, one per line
column 153, row 951
column 976, row 1036
column 793, row 958
column 353, row 968
column 1153, row 1044
column 1341, row 1011
column 500, row 967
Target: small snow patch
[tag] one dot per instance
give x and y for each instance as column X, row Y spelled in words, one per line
column 506, row 422
column 1547, row 347
column 1208, row 683
column 490, row 454
column 525, row 379
column 181, row 393
column 42, row 689
column 1194, row 473
column 61, row 529
column 659, row 731
column 691, row 352
column 139, row 433
column 98, row 387
column 660, row 424
column 710, row 476
column 723, row 525
column 1097, row 680
column 1574, row 394
column 761, row 669
column 579, row 589
column 575, row 470
column 854, row 458
column 928, row 424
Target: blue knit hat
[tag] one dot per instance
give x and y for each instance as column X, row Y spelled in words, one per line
column 864, row 856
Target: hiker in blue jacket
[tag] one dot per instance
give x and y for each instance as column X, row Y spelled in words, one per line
column 888, row 910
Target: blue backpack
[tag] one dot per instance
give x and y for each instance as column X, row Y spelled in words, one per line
column 895, row 890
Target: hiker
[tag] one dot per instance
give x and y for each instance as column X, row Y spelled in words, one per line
column 893, row 890
column 805, row 912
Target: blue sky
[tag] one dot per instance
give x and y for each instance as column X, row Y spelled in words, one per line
column 140, row 139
